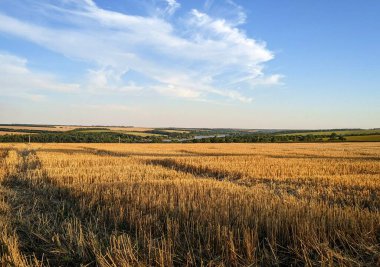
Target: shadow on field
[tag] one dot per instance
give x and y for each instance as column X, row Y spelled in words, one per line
column 189, row 153
column 61, row 226
column 65, row 151
column 103, row 152
column 236, row 178
column 39, row 206
column 4, row 153
column 51, row 221
column 202, row 172
column 202, row 154
column 284, row 186
column 220, row 175
column 72, row 225
column 85, row 150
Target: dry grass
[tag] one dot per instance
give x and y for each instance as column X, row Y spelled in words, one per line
column 190, row 204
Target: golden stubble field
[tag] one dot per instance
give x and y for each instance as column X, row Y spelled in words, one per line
column 190, row 204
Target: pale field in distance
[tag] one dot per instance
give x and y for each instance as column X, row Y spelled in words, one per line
column 37, row 128
column 69, row 128
column 4, row 133
column 190, row 204
column 130, row 129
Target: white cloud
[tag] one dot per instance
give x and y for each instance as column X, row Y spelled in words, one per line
column 109, row 80
column 235, row 95
column 196, row 59
column 18, row 80
column 226, row 9
column 172, row 6
column 208, row 3
column 108, row 107
column 239, row 13
column 269, row 80
column 173, row 90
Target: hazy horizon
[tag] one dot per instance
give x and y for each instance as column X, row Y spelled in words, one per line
column 175, row 127
column 191, row 64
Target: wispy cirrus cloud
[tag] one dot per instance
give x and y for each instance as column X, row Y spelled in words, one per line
column 196, row 57
column 171, row 7
column 17, row 80
column 109, row 107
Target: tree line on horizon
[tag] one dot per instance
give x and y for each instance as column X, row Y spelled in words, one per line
column 110, row 137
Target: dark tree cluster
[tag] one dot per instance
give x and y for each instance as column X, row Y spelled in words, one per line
column 170, row 134
column 77, row 137
column 26, row 130
column 259, row 138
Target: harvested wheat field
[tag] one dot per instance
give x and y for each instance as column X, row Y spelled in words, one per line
column 190, row 204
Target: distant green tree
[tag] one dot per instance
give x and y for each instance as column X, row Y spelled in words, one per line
column 333, row 136
column 342, row 138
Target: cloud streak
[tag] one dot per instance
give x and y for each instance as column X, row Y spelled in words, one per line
column 197, row 57
column 17, row 80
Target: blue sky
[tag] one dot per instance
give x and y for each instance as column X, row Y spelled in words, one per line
column 244, row 64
